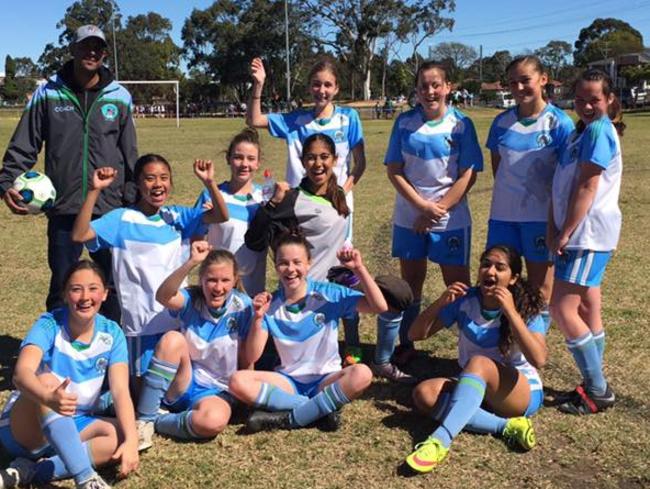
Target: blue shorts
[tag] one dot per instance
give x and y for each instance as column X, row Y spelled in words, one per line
column 141, row 349
column 308, row 389
column 193, row 394
column 536, row 401
column 445, row 247
column 15, row 449
column 582, row 267
column 528, row 238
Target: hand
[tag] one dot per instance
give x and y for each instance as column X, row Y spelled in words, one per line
column 281, row 189
column 127, row 454
column 13, row 200
column 261, row 304
column 423, row 224
column 208, row 205
column 348, row 186
column 504, row 298
column 103, row 177
column 257, row 71
column 558, row 245
column 350, row 258
column 204, row 170
column 453, row 292
column 64, row 403
column 199, row 251
column 435, row 211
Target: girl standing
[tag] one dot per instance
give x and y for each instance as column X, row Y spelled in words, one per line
column 525, row 144
column 64, row 360
column 584, row 227
column 191, row 368
column 501, row 345
column 432, row 159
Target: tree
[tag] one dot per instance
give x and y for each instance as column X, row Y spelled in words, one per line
column 494, row 67
column 10, row 88
column 353, row 27
column 26, row 68
column 605, row 38
column 455, row 55
column 555, row 56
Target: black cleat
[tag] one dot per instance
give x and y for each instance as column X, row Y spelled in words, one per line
column 267, row 421
column 330, row 422
column 583, row 402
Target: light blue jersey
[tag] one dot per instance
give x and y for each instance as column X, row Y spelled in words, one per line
column 229, row 235
column 344, row 127
column 433, row 154
column 85, row 364
column 213, row 338
column 145, row 250
column 529, row 150
column 598, row 144
column 306, row 334
column 480, row 335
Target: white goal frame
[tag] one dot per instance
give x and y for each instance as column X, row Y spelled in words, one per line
column 159, row 82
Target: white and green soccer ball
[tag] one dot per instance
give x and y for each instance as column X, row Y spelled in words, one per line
column 37, row 191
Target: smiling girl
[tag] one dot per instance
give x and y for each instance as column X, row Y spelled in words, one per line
column 501, row 345
column 584, row 228
column 64, row 361
column 146, row 241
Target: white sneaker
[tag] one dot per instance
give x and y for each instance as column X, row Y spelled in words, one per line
column 95, row 482
column 19, row 472
column 145, row 434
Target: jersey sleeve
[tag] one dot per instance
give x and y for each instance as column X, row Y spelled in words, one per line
column 598, row 145
column 245, row 320
column 346, row 298
column 187, row 305
column 202, row 199
column 563, row 131
column 119, row 353
column 42, row 333
column 189, row 221
column 449, row 314
column 494, row 135
column 394, row 151
column 107, row 231
column 469, row 153
column 279, row 125
column 536, row 325
column 355, row 134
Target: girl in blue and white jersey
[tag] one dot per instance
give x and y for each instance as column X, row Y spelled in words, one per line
column 148, row 243
column 525, row 145
column 49, row 423
column 584, row 227
column 191, row 368
column 501, row 344
column 432, row 159
column 302, row 318
column 243, row 198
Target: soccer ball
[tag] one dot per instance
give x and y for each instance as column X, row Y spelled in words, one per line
column 37, row 191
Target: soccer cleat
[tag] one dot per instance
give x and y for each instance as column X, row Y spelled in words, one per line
column 427, row 455
column 330, row 422
column 266, row 421
column 519, row 433
column 145, row 434
column 352, row 356
column 582, row 402
column 392, row 372
column 95, row 482
column 20, row 472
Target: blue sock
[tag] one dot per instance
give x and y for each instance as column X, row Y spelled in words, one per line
column 388, row 325
column 330, row 399
column 53, row 469
column 599, row 339
column 62, row 434
column 410, row 314
column 546, row 317
column 441, row 407
column 587, row 357
column 273, row 398
column 464, row 402
column 486, row 422
column 156, row 381
column 351, row 330
column 176, row 425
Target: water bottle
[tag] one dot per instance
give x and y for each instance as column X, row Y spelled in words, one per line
column 268, row 187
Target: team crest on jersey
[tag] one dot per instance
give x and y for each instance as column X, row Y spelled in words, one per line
column 105, row 339
column 237, row 303
column 232, row 323
column 551, row 119
column 453, row 243
column 110, row 112
column 339, row 137
column 540, row 242
column 319, row 319
column 544, row 139
column 101, row 364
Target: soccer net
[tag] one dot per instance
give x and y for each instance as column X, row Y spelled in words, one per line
column 150, row 101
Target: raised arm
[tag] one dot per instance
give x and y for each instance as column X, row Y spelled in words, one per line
column 428, row 322
column 204, row 171
column 254, row 116
column 373, row 300
column 102, row 178
column 257, row 335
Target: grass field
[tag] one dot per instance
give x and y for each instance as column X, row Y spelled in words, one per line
column 608, row 450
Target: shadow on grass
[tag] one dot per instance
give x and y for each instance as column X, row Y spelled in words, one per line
column 9, row 348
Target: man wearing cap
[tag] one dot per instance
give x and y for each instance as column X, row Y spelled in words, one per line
column 84, row 118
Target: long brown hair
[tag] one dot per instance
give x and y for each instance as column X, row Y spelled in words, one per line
column 246, row 135
column 324, row 64
column 333, row 192
column 214, row 257
column 614, row 109
column 535, row 63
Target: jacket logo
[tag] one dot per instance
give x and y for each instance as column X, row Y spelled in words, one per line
column 110, row 112
column 64, row 108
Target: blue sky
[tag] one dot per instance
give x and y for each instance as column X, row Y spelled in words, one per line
column 28, row 25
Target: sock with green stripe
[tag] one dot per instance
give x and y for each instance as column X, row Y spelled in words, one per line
column 330, row 399
column 176, row 425
column 273, row 398
column 463, row 404
column 155, row 383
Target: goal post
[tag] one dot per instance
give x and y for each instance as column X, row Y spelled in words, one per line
column 160, row 82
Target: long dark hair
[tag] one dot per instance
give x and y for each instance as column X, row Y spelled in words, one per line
column 614, row 109
column 528, row 299
column 431, row 65
column 324, row 64
column 293, row 236
column 143, row 161
column 534, row 62
column 246, row 135
column 83, row 265
column 333, row 192
column 214, row 257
